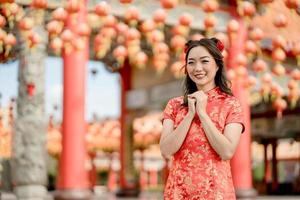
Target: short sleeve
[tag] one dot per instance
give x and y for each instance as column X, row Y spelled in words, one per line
column 235, row 113
column 169, row 111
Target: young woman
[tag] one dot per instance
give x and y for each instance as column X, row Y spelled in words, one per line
column 201, row 129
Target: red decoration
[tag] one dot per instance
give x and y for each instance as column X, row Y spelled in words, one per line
column 280, row 21
column 73, row 6
column 220, row 46
column 168, row 4
column 102, row 9
column 30, row 89
column 185, row 19
column 259, row 66
column 26, row 24
column 209, row 6
column 159, row 16
column 39, row 4
column 125, row 1
column 59, row 14
column 2, row 21
column 248, row 9
column 233, row 26
column 292, row 4
column 279, row 104
column 256, row 34
column 83, row 30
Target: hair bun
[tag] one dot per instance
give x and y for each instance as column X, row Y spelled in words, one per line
column 218, row 43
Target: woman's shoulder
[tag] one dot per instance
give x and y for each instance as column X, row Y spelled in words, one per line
column 176, row 100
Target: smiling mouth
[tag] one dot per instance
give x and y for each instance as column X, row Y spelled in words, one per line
column 198, row 76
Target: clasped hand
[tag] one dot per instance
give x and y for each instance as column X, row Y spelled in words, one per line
column 197, row 103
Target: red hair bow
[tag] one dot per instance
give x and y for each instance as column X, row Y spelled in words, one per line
column 220, row 46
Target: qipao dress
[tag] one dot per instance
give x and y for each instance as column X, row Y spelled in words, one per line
column 197, row 171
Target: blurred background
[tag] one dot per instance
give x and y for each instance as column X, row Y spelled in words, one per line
column 84, row 83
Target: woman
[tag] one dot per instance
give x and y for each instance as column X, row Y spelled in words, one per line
column 201, row 129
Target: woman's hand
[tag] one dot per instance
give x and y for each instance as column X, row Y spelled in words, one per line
column 201, row 101
column 191, row 106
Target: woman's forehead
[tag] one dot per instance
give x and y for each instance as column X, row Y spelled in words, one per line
column 198, row 51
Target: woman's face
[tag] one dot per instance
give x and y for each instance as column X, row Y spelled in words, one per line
column 202, row 68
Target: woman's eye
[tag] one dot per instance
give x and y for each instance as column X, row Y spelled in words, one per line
column 190, row 63
column 205, row 61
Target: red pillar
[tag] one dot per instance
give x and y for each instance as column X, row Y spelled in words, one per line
column 241, row 162
column 128, row 180
column 73, row 174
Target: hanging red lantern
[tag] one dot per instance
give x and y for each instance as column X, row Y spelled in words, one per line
column 159, row 16
column 83, row 30
column 102, row 9
column 241, row 71
column 241, row 60
column 278, row 55
column 256, row 34
column 79, row 44
column 109, row 33
column 278, row 42
column 109, row 21
column 185, row 19
column 233, row 26
column 9, row 41
column 26, row 24
column 177, row 43
column 292, row 84
column 132, row 15
column 168, row 4
column 39, row 4
column 292, row 4
column 30, row 88
column 156, row 36
column 59, row 14
column 141, row 60
column 132, row 34
column 67, row 37
column 120, row 53
column 210, row 21
column 210, row 6
column 280, row 105
column 177, row 69
column 250, row 47
column 160, row 48
column 73, row 6
column 259, row 66
column 56, row 45
column 147, row 26
column 247, row 9
column 2, row 21
column 280, row 21
column 33, row 39
column 180, row 30
column 293, row 97
column 278, row 70
column 54, row 28
column 266, row 1
column 295, row 74
column 276, row 91
column 251, row 82
column 230, row 74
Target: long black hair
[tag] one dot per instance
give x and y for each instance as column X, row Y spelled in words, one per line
column 220, row 79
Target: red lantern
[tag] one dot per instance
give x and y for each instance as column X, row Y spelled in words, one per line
column 251, row 81
column 59, row 14
column 160, row 48
column 102, row 9
column 280, row 21
column 295, row 74
column 147, row 26
column 83, row 30
column 9, row 41
column 276, row 91
column 241, row 71
column 185, row 19
column 279, row 42
column 250, row 47
column 233, row 26
column 54, row 28
column 209, row 6
column 256, row 34
column 259, row 66
column 279, row 104
column 39, row 4
column 79, row 44
column 73, row 6
column 292, row 4
column 56, row 45
column 241, row 60
column 296, row 52
column 133, row 34
column 132, row 15
column 278, row 55
column 177, row 43
column 293, row 97
column 34, row 38
column 278, row 70
column 266, row 1
column 168, row 4
column 141, row 60
column 67, row 35
column 26, row 24
column 110, row 21
column 2, row 21
column 292, row 84
column 230, row 74
column 267, row 78
column 120, row 53
column 177, row 69
column 248, row 9
column 30, row 88
column 159, row 16
column 210, row 21
column 180, row 30
column 156, row 36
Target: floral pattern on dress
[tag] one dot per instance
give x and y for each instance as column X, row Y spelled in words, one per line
column 197, row 171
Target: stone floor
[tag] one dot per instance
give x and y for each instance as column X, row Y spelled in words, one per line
column 150, row 196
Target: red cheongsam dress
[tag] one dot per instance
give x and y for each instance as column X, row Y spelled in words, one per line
column 197, row 171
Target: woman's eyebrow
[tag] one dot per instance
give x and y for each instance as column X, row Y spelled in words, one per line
column 200, row 58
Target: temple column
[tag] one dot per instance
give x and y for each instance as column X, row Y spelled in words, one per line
column 128, row 179
column 73, row 183
column 241, row 162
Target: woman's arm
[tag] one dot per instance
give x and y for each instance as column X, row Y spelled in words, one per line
column 171, row 140
column 224, row 144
